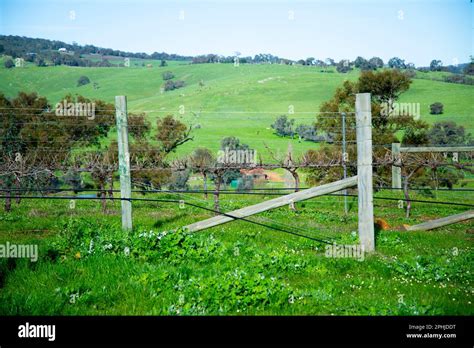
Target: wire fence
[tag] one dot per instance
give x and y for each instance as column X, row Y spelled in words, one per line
column 59, row 154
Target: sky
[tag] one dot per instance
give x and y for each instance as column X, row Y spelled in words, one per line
column 415, row 30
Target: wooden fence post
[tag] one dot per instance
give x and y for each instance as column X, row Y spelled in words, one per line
column 364, row 171
column 396, row 171
column 124, row 160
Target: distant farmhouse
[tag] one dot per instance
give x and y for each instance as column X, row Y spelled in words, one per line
column 63, row 50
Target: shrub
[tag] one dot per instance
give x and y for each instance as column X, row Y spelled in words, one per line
column 246, row 182
column 465, row 80
column 343, row 67
column 179, row 180
column 307, row 132
column 436, row 108
column 283, row 126
column 168, row 75
column 83, row 80
column 170, row 85
column 9, row 64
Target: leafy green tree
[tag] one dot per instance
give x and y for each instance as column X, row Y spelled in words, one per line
column 469, row 68
column 436, row 65
column 284, row 126
column 376, row 62
column 359, row 61
column 343, row 66
column 448, row 133
column 384, row 86
column 396, row 63
column 172, row 133
column 83, row 80
column 436, row 108
column 201, row 161
column 138, row 126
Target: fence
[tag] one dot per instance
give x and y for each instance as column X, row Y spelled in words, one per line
column 397, row 150
column 363, row 179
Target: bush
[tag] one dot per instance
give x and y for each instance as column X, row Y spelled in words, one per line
column 343, row 67
column 40, row 62
column 168, row 75
column 9, row 64
column 83, row 80
column 436, row 108
column 307, row 132
column 283, row 126
column 179, row 180
column 465, row 80
column 170, row 85
column 246, row 182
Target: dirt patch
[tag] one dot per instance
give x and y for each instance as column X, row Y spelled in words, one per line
column 269, row 79
column 274, row 177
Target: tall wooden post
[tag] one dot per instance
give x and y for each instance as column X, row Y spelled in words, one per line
column 396, row 171
column 124, row 160
column 344, row 159
column 364, row 171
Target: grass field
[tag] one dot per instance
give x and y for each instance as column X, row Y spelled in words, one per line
column 240, row 101
column 237, row 268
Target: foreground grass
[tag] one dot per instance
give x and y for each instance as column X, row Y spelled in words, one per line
column 237, row 268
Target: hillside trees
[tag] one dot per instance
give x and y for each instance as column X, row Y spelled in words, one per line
column 284, row 126
column 376, row 62
column 385, row 87
column 343, row 66
column 35, row 142
column 436, row 65
column 396, row 63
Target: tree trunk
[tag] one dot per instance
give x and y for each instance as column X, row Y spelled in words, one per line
column 297, row 179
column 8, row 201
column 18, row 193
column 103, row 197
column 216, row 194
column 111, row 189
column 407, row 197
column 204, row 176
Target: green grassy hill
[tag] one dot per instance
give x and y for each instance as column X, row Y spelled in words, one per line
column 226, row 100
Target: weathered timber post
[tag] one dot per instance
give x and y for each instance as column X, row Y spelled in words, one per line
column 396, row 170
column 124, row 161
column 364, row 171
column 344, row 159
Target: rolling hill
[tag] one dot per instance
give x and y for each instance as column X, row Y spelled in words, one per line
column 223, row 100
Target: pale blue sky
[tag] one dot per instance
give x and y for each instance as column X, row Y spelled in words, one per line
column 416, row 30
